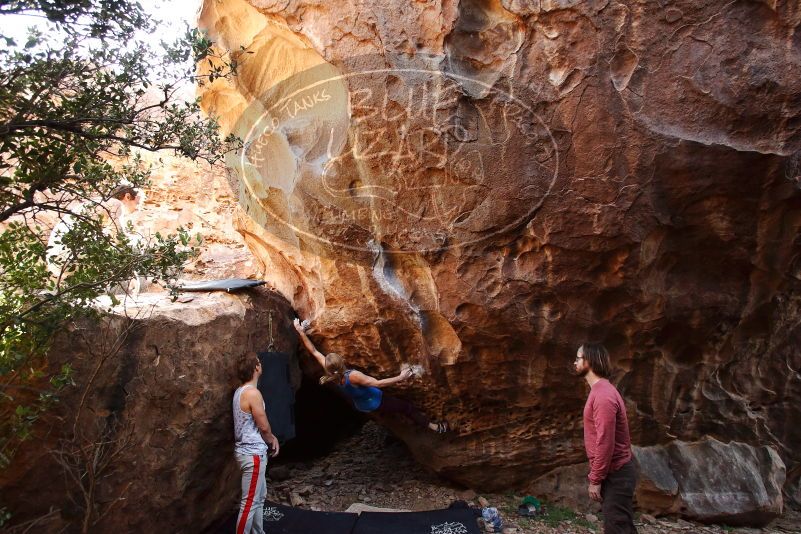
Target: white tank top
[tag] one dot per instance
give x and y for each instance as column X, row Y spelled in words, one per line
column 246, row 433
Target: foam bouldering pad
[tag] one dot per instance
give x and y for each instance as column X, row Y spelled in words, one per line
column 279, row 519
column 288, row 520
column 282, row 519
column 279, row 397
column 450, row 521
column 227, row 284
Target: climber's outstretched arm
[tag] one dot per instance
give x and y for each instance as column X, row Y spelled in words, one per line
column 308, row 344
column 360, row 379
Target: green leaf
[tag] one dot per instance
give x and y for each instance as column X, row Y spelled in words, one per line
column 57, row 79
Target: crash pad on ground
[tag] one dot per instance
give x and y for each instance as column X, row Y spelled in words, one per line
column 279, row 519
column 450, row 521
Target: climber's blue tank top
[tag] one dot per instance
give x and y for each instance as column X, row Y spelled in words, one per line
column 365, row 398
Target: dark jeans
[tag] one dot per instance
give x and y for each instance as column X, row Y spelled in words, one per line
column 617, row 494
column 390, row 405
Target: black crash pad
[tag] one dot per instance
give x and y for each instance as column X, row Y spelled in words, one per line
column 279, row 397
column 449, row 521
column 288, row 520
column 228, row 284
column 278, row 519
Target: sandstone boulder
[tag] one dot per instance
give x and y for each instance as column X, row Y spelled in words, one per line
column 479, row 186
column 710, row 481
column 144, row 436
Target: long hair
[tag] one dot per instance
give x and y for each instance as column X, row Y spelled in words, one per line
column 334, row 368
column 125, row 188
column 246, row 365
column 596, row 355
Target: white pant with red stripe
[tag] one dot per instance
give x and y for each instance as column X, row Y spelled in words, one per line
column 254, row 490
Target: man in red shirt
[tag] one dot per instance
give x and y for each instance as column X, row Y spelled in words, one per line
column 606, row 439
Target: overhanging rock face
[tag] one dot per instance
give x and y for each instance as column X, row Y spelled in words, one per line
column 478, row 187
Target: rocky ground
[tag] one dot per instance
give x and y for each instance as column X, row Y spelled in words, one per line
column 375, row 469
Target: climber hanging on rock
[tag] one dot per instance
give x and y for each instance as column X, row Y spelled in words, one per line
column 364, row 390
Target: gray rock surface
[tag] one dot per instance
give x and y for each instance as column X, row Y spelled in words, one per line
column 710, row 481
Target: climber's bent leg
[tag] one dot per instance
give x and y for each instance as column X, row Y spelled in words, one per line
column 393, row 405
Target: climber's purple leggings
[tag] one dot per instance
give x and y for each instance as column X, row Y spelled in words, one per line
column 391, row 405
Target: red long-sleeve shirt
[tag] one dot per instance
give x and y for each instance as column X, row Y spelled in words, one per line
column 606, row 431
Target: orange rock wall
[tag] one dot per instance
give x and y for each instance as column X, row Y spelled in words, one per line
column 480, row 186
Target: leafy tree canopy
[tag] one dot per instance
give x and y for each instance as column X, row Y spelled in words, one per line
column 79, row 100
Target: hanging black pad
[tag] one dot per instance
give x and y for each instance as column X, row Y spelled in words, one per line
column 279, row 397
column 228, row 284
column 451, row 521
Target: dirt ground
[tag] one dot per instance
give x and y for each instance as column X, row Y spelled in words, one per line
column 373, row 468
